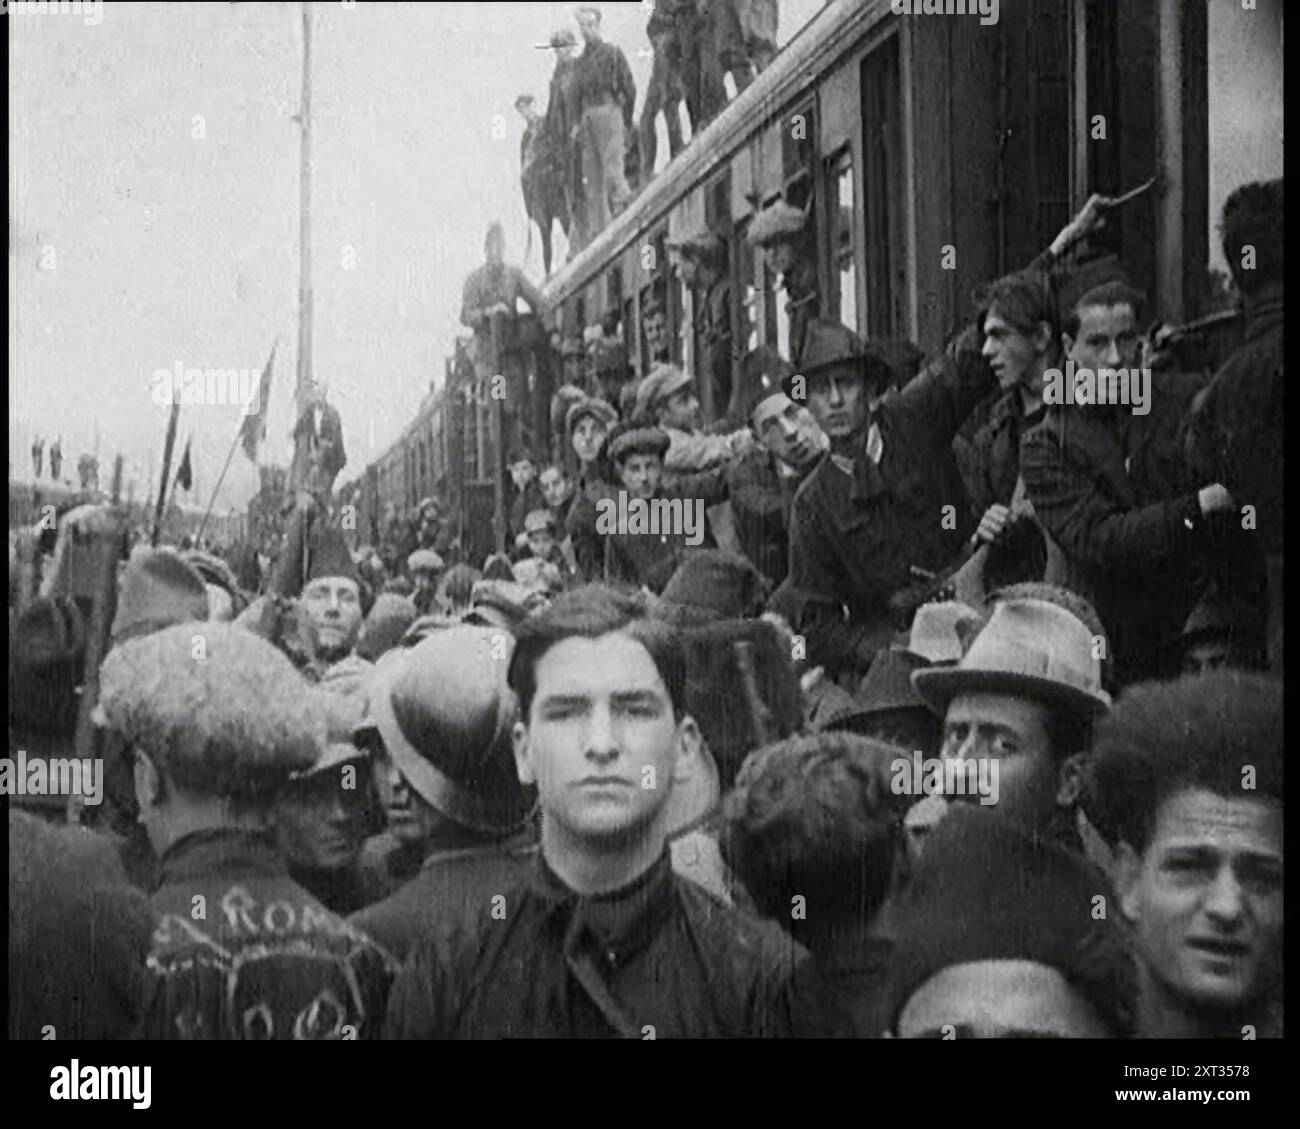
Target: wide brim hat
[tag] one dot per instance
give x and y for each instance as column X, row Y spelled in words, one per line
column 639, row 441
column 941, row 631
column 445, row 715
column 708, row 586
column 159, row 589
column 778, row 221
column 1028, row 648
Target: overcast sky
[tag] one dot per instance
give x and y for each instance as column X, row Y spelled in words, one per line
column 154, row 208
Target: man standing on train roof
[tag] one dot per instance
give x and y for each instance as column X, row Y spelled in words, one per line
column 606, row 95
column 783, row 233
column 492, row 292
column 667, row 398
column 541, row 176
column 561, row 123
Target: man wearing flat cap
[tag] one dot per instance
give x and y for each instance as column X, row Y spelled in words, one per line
column 217, row 722
column 782, row 231
column 439, row 717
column 648, row 559
column 667, row 399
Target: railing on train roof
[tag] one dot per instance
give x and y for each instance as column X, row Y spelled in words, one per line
column 798, row 66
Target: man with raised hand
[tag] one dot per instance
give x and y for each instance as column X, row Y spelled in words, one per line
column 602, row 939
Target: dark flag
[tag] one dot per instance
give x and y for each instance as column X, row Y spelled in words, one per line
column 253, row 430
column 185, row 476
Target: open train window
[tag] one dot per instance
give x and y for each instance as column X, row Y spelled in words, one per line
column 839, row 223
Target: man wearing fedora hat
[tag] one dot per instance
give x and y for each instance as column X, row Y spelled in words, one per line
column 439, row 717
column 217, row 721
column 601, row 938
column 889, row 500
column 1023, row 699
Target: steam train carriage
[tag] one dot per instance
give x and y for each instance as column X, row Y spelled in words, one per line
column 931, row 153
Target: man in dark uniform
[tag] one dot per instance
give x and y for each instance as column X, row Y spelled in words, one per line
column 606, row 95
column 601, row 939
column 541, row 177
column 216, row 721
column 889, row 496
column 648, row 558
column 783, row 233
column 561, row 123
column 443, row 715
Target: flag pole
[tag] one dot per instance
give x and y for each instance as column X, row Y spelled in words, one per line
column 220, row 479
column 166, row 474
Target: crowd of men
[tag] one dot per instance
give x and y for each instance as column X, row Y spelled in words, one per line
column 958, row 715
column 584, row 156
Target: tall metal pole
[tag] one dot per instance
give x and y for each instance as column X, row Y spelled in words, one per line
column 304, row 219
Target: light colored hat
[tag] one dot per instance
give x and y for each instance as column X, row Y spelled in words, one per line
column 941, row 631
column 538, row 520
column 639, row 440
column 1029, row 648
column 159, row 589
column 780, row 221
column 424, row 560
column 660, row 383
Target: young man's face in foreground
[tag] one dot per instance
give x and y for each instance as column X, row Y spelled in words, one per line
column 600, row 741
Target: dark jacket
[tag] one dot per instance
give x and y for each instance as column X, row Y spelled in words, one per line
column 651, row 559
column 342, row 890
column 854, row 537
column 453, row 881
column 1113, row 491
column 761, row 497
column 659, row 954
column 603, row 75
column 995, row 455
column 1239, row 436
column 266, row 961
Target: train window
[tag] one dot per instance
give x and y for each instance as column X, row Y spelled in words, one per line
column 882, row 216
column 747, row 294
column 843, row 273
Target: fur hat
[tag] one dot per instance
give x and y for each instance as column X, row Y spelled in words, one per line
column 445, row 715
column 710, row 585
column 634, row 440
column 662, row 382
column 589, row 406
column 777, row 221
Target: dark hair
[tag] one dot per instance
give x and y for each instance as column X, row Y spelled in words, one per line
column 1252, row 217
column 815, row 816
column 1200, row 731
column 1116, row 292
column 1023, row 299
column 591, row 612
